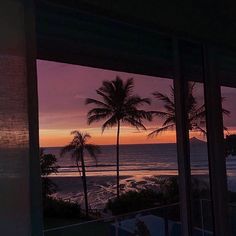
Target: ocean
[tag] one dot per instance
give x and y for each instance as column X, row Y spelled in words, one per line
column 133, row 158
column 139, row 163
column 138, row 158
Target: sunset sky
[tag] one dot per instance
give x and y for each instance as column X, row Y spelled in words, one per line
column 63, row 89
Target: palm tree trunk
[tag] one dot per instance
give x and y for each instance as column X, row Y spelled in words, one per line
column 118, row 160
column 77, row 164
column 84, row 183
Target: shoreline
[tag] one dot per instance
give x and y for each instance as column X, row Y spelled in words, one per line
column 102, row 187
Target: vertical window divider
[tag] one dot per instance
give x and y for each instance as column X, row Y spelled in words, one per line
column 182, row 136
column 36, row 204
column 215, row 137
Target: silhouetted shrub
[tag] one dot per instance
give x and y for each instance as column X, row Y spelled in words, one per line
column 48, row 165
column 169, row 189
column 230, row 145
column 61, row 209
column 134, row 201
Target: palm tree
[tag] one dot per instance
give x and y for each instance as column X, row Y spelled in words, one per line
column 76, row 148
column 118, row 105
column 196, row 112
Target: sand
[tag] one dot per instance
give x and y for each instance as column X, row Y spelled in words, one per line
column 100, row 188
column 103, row 187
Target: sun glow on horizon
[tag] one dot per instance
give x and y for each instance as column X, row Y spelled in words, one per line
column 53, row 138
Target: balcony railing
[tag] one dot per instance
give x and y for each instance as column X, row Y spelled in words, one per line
column 158, row 221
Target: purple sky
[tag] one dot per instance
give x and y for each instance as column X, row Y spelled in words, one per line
column 63, row 89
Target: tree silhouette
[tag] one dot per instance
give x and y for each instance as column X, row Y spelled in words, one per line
column 230, row 145
column 76, row 148
column 196, row 112
column 118, row 105
column 48, row 165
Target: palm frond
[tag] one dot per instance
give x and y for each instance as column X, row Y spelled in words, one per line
column 169, row 120
column 76, row 133
column 136, row 101
column 137, row 123
column 196, row 113
column 66, row 149
column 109, row 123
column 201, row 109
column 169, row 108
column 191, row 87
column 160, row 130
column 200, row 129
column 107, row 100
column 96, row 102
column 226, row 112
column 161, row 114
column 86, row 135
column 164, row 98
column 93, row 150
column 77, row 145
column 117, row 95
column 76, row 155
column 142, row 114
column 226, row 129
column 99, row 111
column 107, row 87
column 129, row 85
column 97, row 118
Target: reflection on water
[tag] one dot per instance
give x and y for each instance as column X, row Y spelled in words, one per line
column 142, row 157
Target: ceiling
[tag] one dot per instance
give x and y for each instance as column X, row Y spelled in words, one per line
column 136, row 36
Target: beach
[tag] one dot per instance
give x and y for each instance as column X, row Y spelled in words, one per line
column 141, row 167
column 101, row 188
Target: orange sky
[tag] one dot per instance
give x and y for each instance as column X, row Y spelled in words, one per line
column 51, row 138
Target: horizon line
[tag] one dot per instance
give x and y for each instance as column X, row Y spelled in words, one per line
column 115, row 144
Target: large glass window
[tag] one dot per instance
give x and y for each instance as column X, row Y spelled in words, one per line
column 228, row 101
column 97, row 125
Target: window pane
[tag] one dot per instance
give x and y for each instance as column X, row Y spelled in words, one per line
column 229, row 114
column 201, row 197
column 148, row 172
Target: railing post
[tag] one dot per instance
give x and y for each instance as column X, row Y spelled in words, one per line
column 116, row 227
column 165, row 215
column 202, row 220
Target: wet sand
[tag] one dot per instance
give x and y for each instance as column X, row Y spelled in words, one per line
column 101, row 188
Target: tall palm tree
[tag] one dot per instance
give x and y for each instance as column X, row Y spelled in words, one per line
column 76, row 148
column 196, row 112
column 118, row 105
